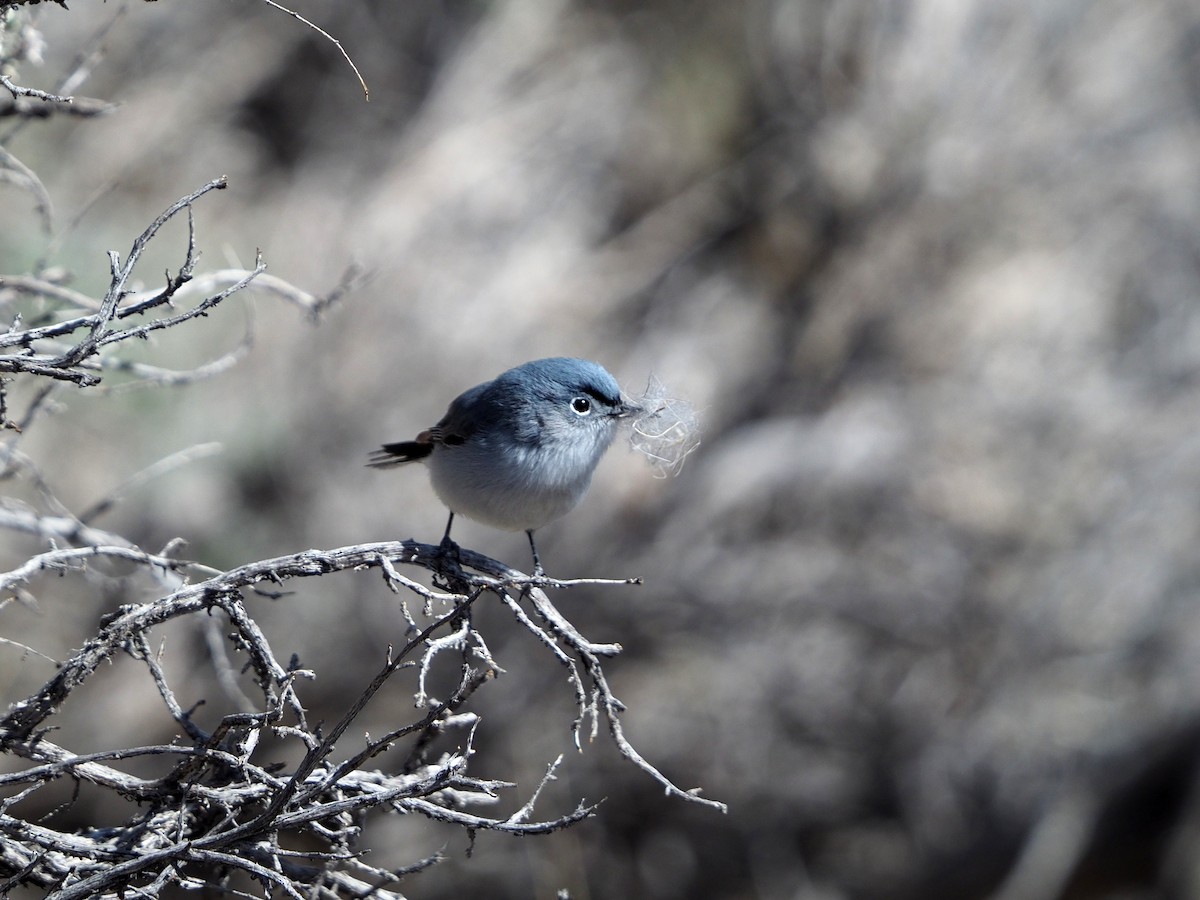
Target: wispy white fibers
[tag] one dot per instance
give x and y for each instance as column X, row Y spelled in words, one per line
column 666, row 431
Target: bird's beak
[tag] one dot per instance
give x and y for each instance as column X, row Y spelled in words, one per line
column 628, row 408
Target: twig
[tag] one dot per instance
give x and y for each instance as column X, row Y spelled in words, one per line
column 155, row 470
column 17, row 91
column 23, row 176
column 38, row 287
column 526, row 811
column 59, row 560
column 122, row 273
column 25, row 648
column 328, row 37
column 49, row 103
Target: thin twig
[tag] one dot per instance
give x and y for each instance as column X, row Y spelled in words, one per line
column 328, row 37
column 155, row 470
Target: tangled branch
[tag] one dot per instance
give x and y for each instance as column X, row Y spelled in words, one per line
column 74, row 345
column 94, row 330
column 215, row 807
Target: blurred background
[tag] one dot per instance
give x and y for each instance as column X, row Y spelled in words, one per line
column 924, row 608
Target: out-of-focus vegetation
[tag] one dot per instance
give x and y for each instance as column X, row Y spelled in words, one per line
column 924, row 608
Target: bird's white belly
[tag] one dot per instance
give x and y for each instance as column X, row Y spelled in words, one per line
column 514, row 498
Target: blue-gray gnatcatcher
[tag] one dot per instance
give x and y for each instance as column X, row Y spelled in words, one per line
column 518, row 451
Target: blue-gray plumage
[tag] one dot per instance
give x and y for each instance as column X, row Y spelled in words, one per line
column 518, row 452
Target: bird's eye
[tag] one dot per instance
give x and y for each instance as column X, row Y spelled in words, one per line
column 581, row 405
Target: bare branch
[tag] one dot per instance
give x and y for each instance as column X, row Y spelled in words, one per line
column 13, row 285
column 61, row 560
column 156, row 470
column 42, row 351
column 328, row 37
column 16, row 172
column 319, row 790
column 121, row 275
column 49, row 103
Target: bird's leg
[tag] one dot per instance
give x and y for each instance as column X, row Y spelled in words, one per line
column 447, row 571
column 538, row 571
column 447, row 547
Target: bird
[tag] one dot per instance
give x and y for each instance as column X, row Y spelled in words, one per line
column 518, row 452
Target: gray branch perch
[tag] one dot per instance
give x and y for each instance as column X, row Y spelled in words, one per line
column 323, row 798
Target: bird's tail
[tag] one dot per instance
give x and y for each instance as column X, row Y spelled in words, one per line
column 398, row 454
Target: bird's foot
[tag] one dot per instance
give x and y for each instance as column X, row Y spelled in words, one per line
column 448, row 564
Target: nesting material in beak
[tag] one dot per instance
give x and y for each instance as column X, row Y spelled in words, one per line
column 665, row 430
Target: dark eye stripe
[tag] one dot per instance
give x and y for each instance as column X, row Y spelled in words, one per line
column 596, row 395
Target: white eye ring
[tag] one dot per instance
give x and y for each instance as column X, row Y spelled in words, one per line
column 581, row 406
